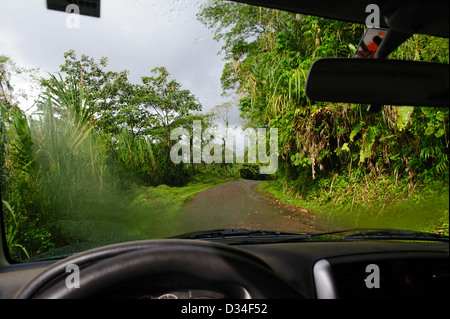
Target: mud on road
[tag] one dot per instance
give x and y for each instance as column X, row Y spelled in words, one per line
column 240, row 205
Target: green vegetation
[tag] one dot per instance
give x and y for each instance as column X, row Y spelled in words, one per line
column 92, row 165
column 371, row 203
column 353, row 166
column 140, row 213
column 96, row 151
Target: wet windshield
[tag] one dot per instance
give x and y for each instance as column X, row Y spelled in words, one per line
column 160, row 118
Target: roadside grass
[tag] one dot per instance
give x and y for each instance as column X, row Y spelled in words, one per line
column 377, row 203
column 140, row 213
column 155, row 212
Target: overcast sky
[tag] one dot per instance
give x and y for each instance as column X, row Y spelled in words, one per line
column 136, row 35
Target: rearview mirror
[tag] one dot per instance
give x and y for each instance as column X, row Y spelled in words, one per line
column 378, row 82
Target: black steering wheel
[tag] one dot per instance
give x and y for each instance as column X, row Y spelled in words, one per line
column 164, row 263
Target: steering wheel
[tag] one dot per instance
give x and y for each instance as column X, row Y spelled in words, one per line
column 222, row 268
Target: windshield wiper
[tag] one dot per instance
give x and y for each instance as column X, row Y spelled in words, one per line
column 390, row 234
column 246, row 234
column 381, row 234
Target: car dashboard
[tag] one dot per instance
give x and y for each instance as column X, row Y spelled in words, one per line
column 340, row 270
column 320, row 270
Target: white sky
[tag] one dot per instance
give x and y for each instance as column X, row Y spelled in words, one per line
column 136, row 35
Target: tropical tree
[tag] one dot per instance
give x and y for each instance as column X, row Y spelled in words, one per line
column 165, row 101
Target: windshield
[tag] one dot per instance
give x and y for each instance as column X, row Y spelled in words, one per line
column 160, row 118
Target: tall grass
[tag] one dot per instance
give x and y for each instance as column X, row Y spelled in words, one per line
column 19, row 186
column 56, row 171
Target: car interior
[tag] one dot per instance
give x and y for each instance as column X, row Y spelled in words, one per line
column 352, row 264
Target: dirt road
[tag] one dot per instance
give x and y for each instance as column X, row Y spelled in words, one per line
column 240, row 205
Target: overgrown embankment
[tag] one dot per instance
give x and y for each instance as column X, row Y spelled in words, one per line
column 383, row 202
